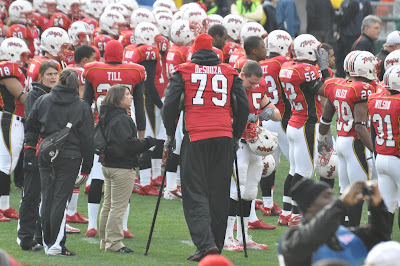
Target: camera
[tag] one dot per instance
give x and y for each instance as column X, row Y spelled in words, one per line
column 368, row 191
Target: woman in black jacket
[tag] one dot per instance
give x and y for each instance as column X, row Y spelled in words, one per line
column 121, row 157
column 29, row 219
column 50, row 114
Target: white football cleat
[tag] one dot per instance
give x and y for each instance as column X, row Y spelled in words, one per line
column 232, row 245
column 72, row 230
column 251, row 244
column 171, row 194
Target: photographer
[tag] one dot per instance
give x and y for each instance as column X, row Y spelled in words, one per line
column 321, row 236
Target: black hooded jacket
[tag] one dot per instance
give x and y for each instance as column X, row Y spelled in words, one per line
column 51, row 113
column 38, row 89
column 120, row 131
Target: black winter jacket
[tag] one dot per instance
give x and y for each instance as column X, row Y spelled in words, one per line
column 38, row 89
column 298, row 244
column 51, row 113
column 364, row 43
column 120, row 132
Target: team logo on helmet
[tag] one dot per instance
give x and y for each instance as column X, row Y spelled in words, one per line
column 307, row 42
column 142, row 15
column 110, row 15
column 147, row 29
column 165, row 17
column 369, row 59
column 15, row 44
column 392, row 61
column 235, row 20
column 280, row 36
column 195, row 13
column 255, row 29
column 54, row 33
column 178, row 32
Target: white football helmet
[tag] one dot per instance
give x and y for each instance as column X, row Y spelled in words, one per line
column 162, row 10
column 95, row 7
column 251, row 29
column 178, row 15
column 182, row 33
column 261, row 141
column 349, row 60
column 279, row 41
column 164, row 22
column 21, row 12
column 56, row 42
column 74, row 8
column 15, row 50
column 131, row 5
column 233, row 24
column 112, row 22
column 198, row 15
column 141, row 15
column 169, row 4
column 215, row 19
column 391, row 79
column 269, row 165
column 393, row 59
column 45, row 7
column 145, row 33
column 187, row 6
column 119, row 8
column 364, row 65
column 327, row 167
column 79, row 32
column 305, row 47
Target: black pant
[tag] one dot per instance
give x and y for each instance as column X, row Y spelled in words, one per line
column 29, row 219
column 344, row 45
column 58, row 182
column 206, row 169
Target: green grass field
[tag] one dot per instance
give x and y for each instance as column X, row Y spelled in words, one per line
column 171, row 243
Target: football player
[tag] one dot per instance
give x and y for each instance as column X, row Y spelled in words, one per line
column 146, row 53
column 348, row 98
column 12, row 94
column 98, row 78
column 22, row 25
column 277, row 45
column 68, row 11
column 46, row 9
column 139, row 15
column 93, row 11
column 220, row 35
column 298, row 79
column 233, row 25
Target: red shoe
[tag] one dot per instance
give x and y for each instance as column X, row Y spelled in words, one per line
column 260, row 224
column 127, row 234
column 3, row 218
column 259, row 204
column 136, row 186
column 148, row 190
column 294, row 220
column 91, row 232
column 235, row 227
column 157, row 181
column 277, row 209
column 10, row 213
column 270, row 211
column 77, row 218
column 87, row 188
column 283, row 220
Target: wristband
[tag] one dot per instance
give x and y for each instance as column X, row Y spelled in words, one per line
column 19, row 96
column 325, row 122
column 361, row 123
column 321, row 137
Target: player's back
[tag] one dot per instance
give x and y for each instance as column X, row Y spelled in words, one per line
column 176, row 55
column 126, row 37
column 229, row 48
column 60, row 20
column 91, row 22
column 30, row 34
column 241, row 62
column 235, row 55
column 7, row 100
column 100, row 42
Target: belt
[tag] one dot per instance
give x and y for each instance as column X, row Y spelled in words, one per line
column 17, row 117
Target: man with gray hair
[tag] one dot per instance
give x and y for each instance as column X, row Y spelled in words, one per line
column 392, row 44
column 370, row 29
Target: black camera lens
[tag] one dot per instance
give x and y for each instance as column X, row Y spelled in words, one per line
column 368, row 191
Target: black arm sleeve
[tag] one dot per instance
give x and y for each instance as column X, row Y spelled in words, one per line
column 88, row 94
column 149, row 86
column 137, row 94
column 379, row 230
column 86, row 134
column 243, row 108
column 311, row 87
column 170, row 113
column 299, row 243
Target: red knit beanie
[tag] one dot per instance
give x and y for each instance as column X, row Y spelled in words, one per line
column 202, row 41
column 215, row 260
column 113, row 51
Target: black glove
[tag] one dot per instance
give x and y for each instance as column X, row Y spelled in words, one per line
column 322, row 58
column 266, row 114
column 169, row 144
column 151, row 141
column 326, row 143
column 252, row 118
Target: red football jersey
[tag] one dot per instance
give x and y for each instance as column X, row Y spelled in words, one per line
column 91, row 22
column 30, row 34
column 344, row 94
column 304, row 105
column 7, row 100
column 100, row 41
column 207, row 93
column 385, row 111
column 161, row 81
column 126, row 37
column 219, row 53
column 137, row 53
column 176, row 55
column 229, row 48
column 235, row 55
column 33, row 69
column 241, row 62
column 271, row 68
column 255, row 95
column 103, row 76
column 43, row 22
column 80, row 71
column 60, row 20
column 379, row 86
column 96, row 31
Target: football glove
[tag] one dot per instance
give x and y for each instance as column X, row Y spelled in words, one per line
column 323, row 59
column 266, row 114
column 252, row 118
column 325, row 145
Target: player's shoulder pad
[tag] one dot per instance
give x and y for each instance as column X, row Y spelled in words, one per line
column 230, row 69
column 10, row 69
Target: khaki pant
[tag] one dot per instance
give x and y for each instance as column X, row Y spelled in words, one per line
column 118, row 184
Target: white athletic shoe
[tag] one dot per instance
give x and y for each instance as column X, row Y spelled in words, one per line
column 231, row 244
column 72, row 230
column 250, row 244
column 172, row 194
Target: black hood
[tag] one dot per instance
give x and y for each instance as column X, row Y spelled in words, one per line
column 205, row 57
column 61, row 94
column 39, row 86
column 107, row 112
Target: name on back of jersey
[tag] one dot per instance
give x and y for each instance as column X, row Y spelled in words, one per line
column 341, row 93
column 286, row 73
column 381, row 104
column 114, row 76
column 208, row 69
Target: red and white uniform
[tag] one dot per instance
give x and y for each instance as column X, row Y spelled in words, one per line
column 235, row 55
column 161, row 81
column 384, row 109
column 30, row 34
column 126, row 37
column 93, row 24
column 219, row 53
column 229, row 48
column 176, row 55
column 60, row 20
column 100, row 42
column 11, row 114
column 43, row 22
column 80, row 71
column 33, row 69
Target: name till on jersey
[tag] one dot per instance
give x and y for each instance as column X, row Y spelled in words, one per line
column 208, row 69
column 115, row 76
column 381, row 104
column 341, row 93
